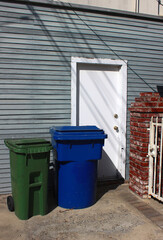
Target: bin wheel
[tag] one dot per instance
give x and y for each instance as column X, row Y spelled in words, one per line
column 10, row 203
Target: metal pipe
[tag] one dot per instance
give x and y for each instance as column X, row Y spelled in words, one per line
column 155, row 161
column 159, row 2
column 160, row 169
column 138, row 5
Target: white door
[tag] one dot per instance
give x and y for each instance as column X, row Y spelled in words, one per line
column 101, row 101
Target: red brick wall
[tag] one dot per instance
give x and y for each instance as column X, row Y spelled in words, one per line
column 141, row 111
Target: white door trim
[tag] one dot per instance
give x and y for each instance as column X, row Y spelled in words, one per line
column 75, row 61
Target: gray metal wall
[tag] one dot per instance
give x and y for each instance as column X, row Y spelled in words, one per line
column 36, row 45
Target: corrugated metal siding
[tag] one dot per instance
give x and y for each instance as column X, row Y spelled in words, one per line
column 36, row 45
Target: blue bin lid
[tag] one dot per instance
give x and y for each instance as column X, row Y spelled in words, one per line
column 77, row 133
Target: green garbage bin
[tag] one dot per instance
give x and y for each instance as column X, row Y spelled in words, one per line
column 29, row 161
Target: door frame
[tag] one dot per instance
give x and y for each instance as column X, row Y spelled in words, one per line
column 122, row 64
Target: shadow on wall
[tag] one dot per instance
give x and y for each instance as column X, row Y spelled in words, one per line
column 52, row 189
column 160, row 90
column 103, row 186
column 107, row 167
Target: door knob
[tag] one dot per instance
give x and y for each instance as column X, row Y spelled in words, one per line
column 115, row 128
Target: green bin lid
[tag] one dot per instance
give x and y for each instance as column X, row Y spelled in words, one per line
column 29, row 145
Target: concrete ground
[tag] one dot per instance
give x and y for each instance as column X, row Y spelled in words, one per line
column 117, row 215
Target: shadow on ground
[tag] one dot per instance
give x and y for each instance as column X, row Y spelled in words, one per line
column 104, row 186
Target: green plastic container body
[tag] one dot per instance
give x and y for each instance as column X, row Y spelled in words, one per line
column 29, row 162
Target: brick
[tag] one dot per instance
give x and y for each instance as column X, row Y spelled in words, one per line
column 139, row 174
column 140, row 167
column 139, row 153
column 138, row 143
column 147, row 109
column 151, row 99
column 141, row 184
column 139, row 204
column 142, row 207
column 149, row 212
column 140, row 139
column 140, row 120
column 158, row 220
column 144, row 104
column 140, row 163
column 139, row 134
column 136, row 114
column 139, row 129
column 136, row 156
column 139, row 148
column 142, row 170
column 138, row 99
column 146, row 94
column 142, row 194
column 160, row 104
column 138, row 186
column 135, row 124
column 146, row 115
column 138, row 180
column 139, row 124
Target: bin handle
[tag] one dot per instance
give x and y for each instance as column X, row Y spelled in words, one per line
column 26, row 159
column 28, row 155
column 37, row 184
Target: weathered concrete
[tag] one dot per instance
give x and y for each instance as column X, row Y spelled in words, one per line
column 118, row 215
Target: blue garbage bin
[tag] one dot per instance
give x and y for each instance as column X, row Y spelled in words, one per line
column 78, row 149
